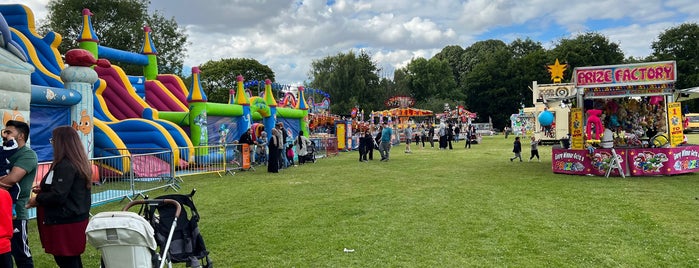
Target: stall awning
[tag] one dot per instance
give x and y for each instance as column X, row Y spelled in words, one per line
column 687, row 94
column 403, row 112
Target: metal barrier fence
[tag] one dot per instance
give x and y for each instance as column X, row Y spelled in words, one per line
column 330, row 145
column 128, row 174
column 131, row 173
column 220, row 159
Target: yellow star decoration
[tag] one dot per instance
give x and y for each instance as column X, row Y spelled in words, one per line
column 556, row 71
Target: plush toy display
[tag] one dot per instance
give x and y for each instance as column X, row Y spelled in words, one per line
column 593, row 118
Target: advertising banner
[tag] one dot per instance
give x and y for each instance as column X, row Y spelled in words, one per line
column 674, row 119
column 576, row 128
column 663, row 161
column 634, row 161
column 580, row 162
column 626, row 74
column 340, row 133
column 246, row 156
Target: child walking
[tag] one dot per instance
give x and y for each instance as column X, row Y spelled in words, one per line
column 535, row 149
column 517, row 150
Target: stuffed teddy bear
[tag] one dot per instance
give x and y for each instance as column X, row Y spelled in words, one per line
column 593, row 117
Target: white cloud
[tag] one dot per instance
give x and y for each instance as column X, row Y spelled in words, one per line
column 289, row 35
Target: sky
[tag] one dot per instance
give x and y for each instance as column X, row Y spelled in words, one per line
column 288, row 35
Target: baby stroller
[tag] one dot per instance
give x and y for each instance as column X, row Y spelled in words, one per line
column 187, row 243
column 261, row 155
column 311, row 153
column 126, row 239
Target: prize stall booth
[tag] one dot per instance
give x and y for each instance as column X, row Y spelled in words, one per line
column 626, row 123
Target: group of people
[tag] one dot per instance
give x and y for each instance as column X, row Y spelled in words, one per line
column 281, row 155
column 381, row 142
column 62, row 199
column 276, row 150
column 517, row 149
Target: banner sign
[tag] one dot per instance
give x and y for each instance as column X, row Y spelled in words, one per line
column 576, row 128
column 246, row 156
column 629, row 90
column 634, row 161
column 581, row 163
column 626, row 74
column 663, row 161
column 674, row 118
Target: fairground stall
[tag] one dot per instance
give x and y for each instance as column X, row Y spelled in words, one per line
column 626, row 123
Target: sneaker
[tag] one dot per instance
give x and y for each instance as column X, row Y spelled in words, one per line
column 510, row 159
column 539, row 160
column 520, row 160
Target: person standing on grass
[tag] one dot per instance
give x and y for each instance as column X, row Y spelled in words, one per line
column 369, row 144
column 535, row 149
column 24, row 163
column 408, row 138
column 423, row 136
column 282, row 145
column 517, row 149
column 246, row 138
column 63, row 199
column 362, row 148
column 442, row 132
column 302, row 143
column 430, row 135
column 450, row 135
column 467, row 137
column 457, row 130
column 273, row 145
column 385, row 145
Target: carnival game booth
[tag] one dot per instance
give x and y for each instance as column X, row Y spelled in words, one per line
column 626, row 123
column 404, row 116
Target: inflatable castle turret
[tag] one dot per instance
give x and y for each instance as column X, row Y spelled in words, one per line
column 150, row 71
column 303, row 106
column 270, row 121
column 242, row 99
column 197, row 110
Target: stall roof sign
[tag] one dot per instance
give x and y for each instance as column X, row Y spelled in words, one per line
column 628, row 91
column 626, row 74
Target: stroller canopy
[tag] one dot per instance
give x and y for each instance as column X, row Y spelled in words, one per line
column 120, row 228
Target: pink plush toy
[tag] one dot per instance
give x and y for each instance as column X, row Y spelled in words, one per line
column 593, row 118
column 655, row 100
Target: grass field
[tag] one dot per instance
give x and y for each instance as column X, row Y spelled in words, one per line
column 448, row 208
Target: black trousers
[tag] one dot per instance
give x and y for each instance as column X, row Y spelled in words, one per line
column 68, row 261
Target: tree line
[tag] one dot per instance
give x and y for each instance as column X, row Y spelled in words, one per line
column 490, row 77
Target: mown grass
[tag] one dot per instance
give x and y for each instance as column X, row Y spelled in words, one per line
column 432, row 208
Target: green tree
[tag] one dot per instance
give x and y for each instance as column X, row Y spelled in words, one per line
column 452, row 54
column 351, row 80
column 680, row 44
column 218, row 77
column 589, row 49
column 486, row 82
column 529, row 61
column 430, row 80
column 119, row 24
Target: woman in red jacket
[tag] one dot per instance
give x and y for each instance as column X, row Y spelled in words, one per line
column 63, row 199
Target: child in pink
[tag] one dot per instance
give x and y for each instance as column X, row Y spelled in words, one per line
column 290, row 154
